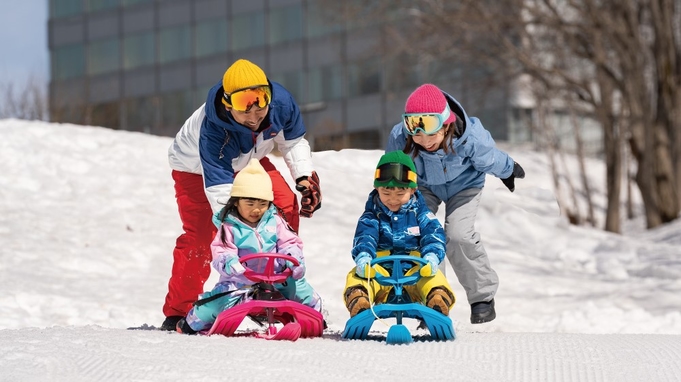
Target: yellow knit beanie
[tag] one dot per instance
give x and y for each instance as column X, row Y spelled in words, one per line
column 253, row 182
column 242, row 74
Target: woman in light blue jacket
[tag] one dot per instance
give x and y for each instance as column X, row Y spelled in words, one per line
column 452, row 153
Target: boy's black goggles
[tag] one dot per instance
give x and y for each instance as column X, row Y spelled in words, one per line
column 397, row 171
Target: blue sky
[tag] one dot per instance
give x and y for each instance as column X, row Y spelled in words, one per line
column 23, row 41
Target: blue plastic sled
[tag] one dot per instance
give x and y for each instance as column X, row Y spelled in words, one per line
column 399, row 306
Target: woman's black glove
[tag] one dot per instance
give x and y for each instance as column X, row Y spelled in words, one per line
column 518, row 172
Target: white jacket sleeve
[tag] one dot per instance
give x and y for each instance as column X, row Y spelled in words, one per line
column 297, row 155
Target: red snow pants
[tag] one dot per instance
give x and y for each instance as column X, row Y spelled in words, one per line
column 284, row 198
column 192, row 255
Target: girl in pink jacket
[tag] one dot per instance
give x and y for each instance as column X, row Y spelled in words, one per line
column 249, row 224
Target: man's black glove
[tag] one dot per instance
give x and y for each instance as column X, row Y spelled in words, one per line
column 312, row 196
column 518, row 172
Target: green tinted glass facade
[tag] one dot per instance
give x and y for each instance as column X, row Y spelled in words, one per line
column 65, row 8
column 146, row 65
column 68, row 61
column 139, row 50
column 175, row 44
column 212, row 37
column 103, row 56
column 249, row 31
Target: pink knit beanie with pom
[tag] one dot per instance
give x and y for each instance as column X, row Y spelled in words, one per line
column 428, row 99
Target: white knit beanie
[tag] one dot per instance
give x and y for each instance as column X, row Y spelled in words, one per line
column 253, row 182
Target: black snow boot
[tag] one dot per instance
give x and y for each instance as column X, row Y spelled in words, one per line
column 170, row 323
column 183, row 327
column 482, row 312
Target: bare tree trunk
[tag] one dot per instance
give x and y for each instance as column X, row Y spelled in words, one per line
column 675, row 138
column 548, row 146
column 667, row 52
column 666, row 192
column 613, row 179
column 626, row 161
column 605, row 114
column 656, row 124
column 676, row 145
column 559, row 169
column 582, row 168
column 576, row 217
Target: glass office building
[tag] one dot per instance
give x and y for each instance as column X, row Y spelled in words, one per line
column 146, row 65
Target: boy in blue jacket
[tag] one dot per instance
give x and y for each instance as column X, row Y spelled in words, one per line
column 397, row 221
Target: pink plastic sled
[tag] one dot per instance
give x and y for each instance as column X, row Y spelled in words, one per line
column 298, row 320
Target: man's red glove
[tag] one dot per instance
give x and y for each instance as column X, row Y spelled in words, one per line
column 312, row 195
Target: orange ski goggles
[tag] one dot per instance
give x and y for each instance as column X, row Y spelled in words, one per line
column 245, row 99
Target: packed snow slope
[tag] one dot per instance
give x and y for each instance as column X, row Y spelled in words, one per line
column 88, row 222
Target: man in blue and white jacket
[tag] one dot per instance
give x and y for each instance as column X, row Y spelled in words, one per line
column 243, row 118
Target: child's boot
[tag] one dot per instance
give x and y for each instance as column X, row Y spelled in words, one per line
column 357, row 300
column 184, row 328
column 440, row 300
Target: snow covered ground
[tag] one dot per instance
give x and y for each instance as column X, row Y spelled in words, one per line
column 88, row 222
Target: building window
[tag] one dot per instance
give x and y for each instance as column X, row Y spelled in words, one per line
column 201, row 95
column 293, row 82
column 140, row 113
column 68, row 61
column 175, row 44
column 401, row 73
column 248, row 31
column 103, row 56
column 135, row 2
column 364, row 78
column 106, row 115
column 325, row 83
column 68, row 113
column 100, row 5
column 63, row 8
column 139, row 50
column 211, row 37
column 286, row 24
column 320, row 21
column 176, row 107
column 366, row 140
column 444, row 70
